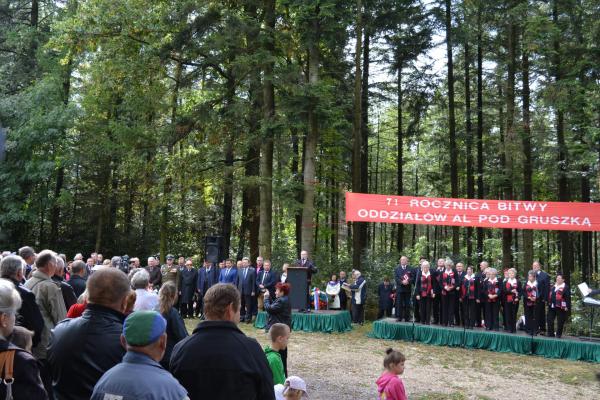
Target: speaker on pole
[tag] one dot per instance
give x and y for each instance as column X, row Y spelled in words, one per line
column 212, row 248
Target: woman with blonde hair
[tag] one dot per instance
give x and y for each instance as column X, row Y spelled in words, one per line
column 167, row 296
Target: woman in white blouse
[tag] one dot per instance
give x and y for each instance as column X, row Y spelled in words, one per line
column 333, row 291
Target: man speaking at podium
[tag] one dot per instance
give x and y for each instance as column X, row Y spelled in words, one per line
column 304, row 262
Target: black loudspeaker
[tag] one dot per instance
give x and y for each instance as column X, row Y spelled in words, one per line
column 212, row 248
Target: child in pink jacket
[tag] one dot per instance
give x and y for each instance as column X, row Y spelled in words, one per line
column 389, row 385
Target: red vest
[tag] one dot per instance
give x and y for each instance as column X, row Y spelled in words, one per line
column 468, row 288
column 447, row 280
column 559, row 300
column 531, row 291
column 510, row 296
column 426, row 286
column 492, row 288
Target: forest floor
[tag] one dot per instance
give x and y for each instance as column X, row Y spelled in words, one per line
column 346, row 366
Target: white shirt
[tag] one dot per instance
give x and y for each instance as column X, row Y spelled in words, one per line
column 145, row 300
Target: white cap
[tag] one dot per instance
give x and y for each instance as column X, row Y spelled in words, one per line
column 295, row 382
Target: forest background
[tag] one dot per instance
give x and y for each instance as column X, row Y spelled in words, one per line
column 141, row 127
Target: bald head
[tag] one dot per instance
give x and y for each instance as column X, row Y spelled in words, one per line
column 108, row 287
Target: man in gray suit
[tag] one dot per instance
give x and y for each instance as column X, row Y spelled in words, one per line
column 246, row 284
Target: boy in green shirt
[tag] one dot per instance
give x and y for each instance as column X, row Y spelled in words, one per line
column 279, row 335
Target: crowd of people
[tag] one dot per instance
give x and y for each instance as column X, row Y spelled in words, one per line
column 112, row 329
column 451, row 295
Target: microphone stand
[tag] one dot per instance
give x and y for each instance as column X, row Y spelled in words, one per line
column 414, row 291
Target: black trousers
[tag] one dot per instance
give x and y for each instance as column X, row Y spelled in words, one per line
column 187, row 310
column 540, row 315
column 469, row 312
column 510, row 323
column 459, row 318
column 247, row 307
column 199, row 308
column 358, row 314
column 385, row 311
column 283, row 354
column 436, row 308
column 425, row 310
column 448, row 302
column 403, row 306
column 417, row 309
column 491, row 315
column 561, row 317
column 530, row 321
column 479, row 313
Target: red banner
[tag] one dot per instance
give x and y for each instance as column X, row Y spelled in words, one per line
column 470, row 212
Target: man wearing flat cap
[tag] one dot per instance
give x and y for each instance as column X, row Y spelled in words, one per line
column 145, row 339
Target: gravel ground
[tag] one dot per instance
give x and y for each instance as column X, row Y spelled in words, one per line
column 346, row 366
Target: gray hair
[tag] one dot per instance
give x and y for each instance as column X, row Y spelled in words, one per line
column 140, row 279
column 425, row 263
column 449, row 263
column 10, row 300
column 10, row 266
column 26, row 252
column 115, row 261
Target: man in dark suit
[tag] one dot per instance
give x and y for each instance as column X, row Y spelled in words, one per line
column 459, row 317
column 228, row 273
column 246, row 284
column 266, row 280
column 404, row 277
column 543, row 282
column 77, row 280
column 311, row 269
column 208, row 275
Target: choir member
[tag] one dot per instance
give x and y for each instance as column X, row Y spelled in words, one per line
column 436, row 304
column 491, row 289
column 458, row 311
column 385, row 290
column 480, row 277
column 559, row 303
column 404, row 277
column 543, row 280
column 448, row 284
column 469, row 298
column 511, row 292
column 529, row 303
column 424, row 292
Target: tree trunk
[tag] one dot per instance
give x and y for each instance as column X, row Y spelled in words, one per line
column 312, row 139
column 266, row 160
column 509, row 135
column 566, row 253
column 452, row 123
column 480, row 192
column 228, row 172
column 296, row 167
column 364, row 161
column 357, row 230
column 528, row 156
column 400, row 157
column 168, row 183
column 469, row 133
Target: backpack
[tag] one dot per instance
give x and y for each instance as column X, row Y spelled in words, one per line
column 7, row 359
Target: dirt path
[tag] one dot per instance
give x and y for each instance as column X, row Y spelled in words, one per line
column 346, row 366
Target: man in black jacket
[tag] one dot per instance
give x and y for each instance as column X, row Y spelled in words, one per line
column 83, row 349
column 311, row 269
column 29, row 315
column 77, row 280
column 543, row 283
column 218, row 361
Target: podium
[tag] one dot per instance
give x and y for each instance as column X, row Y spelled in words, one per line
column 296, row 277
